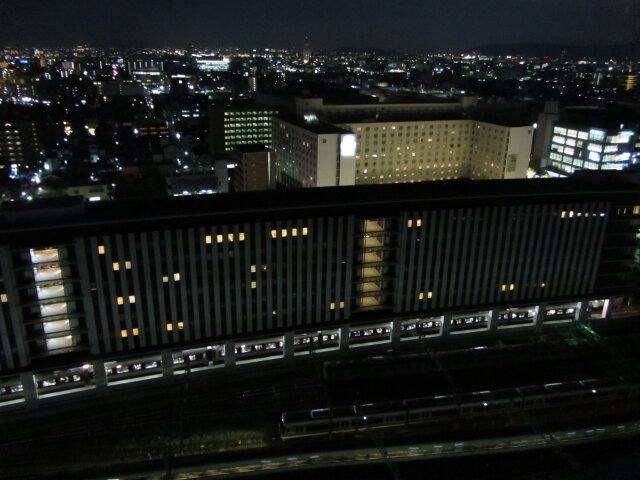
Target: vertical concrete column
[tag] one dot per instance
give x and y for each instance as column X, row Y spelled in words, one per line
column 99, row 374
column 538, row 319
column 494, row 319
column 396, row 331
column 29, row 388
column 344, row 338
column 445, row 330
column 229, row 354
column 167, row 364
column 581, row 312
column 288, row 345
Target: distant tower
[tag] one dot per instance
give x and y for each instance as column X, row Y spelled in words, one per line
column 253, row 81
column 306, row 51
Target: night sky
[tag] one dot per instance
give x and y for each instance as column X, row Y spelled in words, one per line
column 406, row 25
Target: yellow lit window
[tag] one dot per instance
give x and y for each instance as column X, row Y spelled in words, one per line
column 512, row 287
column 124, row 333
column 294, row 232
column 418, row 223
column 132, row 299
column 169, row 327
column 504, row 288
column 101, row 249
column 420, row 296
column 176, row 276
column 208, row 239
column 230, row 237
column 429, row 294
column 165, row 279
column 284, row 232
column 254, row 284
column 241, row 236
column 253, row 269
column 219, row 238
column 120, row 300
column 127, row 265
column 135, row 332
column 264, row 268
column 332, row 306
column 4, row 298
column 116, row 266
column 305, row 231
column 341, row 304
column 543, row 284
column 180, row 325
column 274, row 234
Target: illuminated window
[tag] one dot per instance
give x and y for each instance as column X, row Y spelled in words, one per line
column 127, row 265
column 543, row 284
column 135, row 332
column 180, row 325
column 420, row 296
column 274, row 234
column 120, row 300
column 132, row 299
column 341, row 304
column 169, row 327
column 101, row 249
column 124, row 333
column 254, row 284
column 230, row 237
column 208, row 239
column 305, row 231
column 504, row 288
column 418, row 223
column 241, row 236
column 429, row 294
column 284, row 232
column 4, row 298
column 409, row 223
column 332, row 306
column 176, row 277
column 116, row 266
column 253, row 269
column 512, row 287
column 294, row 232
column 165, row 279
column 219, row 238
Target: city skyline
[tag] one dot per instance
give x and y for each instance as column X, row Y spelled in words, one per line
column 409, row 25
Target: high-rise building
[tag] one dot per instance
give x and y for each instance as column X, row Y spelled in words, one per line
column 241, row 124
column 252, row 167
column 98, row 294
column 19, row 144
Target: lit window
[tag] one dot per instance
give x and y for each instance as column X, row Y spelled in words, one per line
column 101, row 249
column 294, row 232
column 208, row 239
column 180, row 325
column 284, row 232
column 341, row 304
column 274, row 234
column 512, row 287
column 169, row 327
column 253, row 269
column 219, row 238
column 254, row 284
column 176, row 277
column 429, row 294
column 4, row 298
column 543, row 284
column 120, row 300
column 230, row 237
column 124, row 333
column 420, row 296
column 418, row 223
column 165, row 279
column 135, row 332
column 127, row 265
column 409, row 223
column 332, row 306
column 132, row 299
column 305, row 231
column 241, row 236
column 116, row 266
column 504, row 288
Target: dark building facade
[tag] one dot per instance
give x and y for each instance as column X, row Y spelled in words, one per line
column 104, row 293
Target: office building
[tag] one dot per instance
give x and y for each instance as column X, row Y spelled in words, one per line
column 238, row 125
column 97, row 294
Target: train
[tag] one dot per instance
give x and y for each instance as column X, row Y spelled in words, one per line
column 440, row 408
